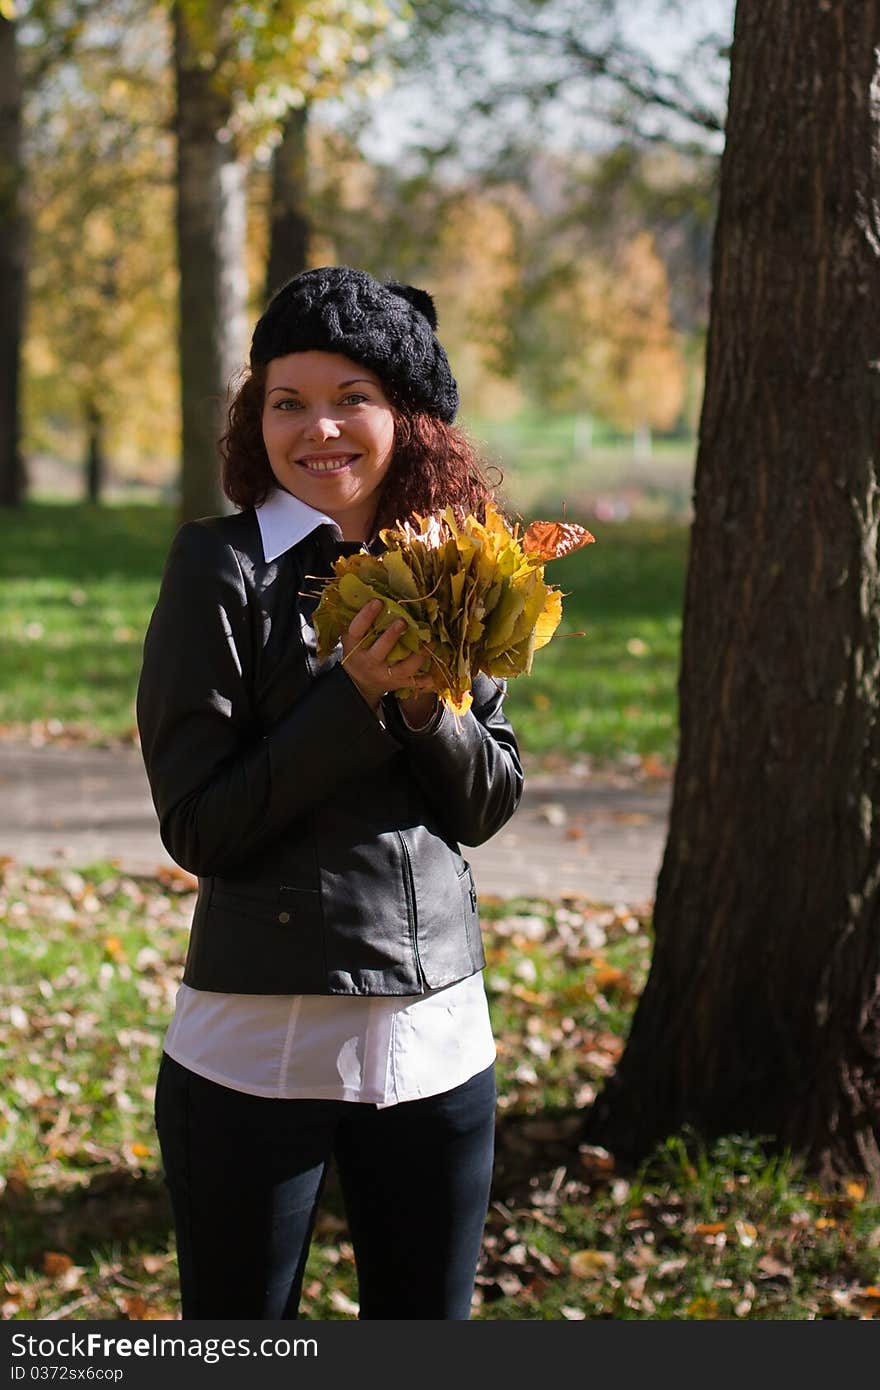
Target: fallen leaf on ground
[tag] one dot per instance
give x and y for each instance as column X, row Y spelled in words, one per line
column 591, row 1264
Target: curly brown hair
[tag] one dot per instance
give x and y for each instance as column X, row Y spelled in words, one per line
column 433, row 464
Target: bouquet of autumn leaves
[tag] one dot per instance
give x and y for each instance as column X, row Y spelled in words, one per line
column 472, row 593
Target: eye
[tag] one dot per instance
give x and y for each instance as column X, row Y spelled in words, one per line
column 355, row 397
column 285, row 401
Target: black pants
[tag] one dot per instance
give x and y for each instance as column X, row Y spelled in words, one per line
column 245, row 1174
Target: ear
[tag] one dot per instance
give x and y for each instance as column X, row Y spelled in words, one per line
column 420, row 299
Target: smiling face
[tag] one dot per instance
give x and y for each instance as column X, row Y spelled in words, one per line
column 329, row 433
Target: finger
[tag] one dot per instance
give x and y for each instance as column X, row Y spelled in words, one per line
column 388, row 639
column 363, row 621
column 406, row 672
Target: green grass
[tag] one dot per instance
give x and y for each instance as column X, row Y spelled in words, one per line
column 611, row 693
column 548, row 463
column 92, row 960
column 77, row 585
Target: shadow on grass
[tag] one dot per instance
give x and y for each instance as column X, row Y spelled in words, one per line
column 131, row 1210
column 120, row 1209
column 80, row 542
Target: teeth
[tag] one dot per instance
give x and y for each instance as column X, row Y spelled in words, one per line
column 326, row 465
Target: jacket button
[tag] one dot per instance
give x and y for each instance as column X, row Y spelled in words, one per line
column 284, row 917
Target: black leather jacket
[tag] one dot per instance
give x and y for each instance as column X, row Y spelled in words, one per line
column 326, row 846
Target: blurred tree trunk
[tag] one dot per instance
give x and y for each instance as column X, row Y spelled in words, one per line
column 96, row 461
column 211, row 240
column 761, row 1014
column 289, row 224
column 13, row 242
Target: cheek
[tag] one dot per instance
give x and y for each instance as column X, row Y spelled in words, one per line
column 273, row 424
column 385, row 442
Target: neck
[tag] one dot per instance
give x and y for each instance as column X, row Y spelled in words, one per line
column 356, row 526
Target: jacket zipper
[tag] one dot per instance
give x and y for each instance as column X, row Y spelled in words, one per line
column 409, row 886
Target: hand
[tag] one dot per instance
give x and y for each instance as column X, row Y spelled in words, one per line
column 369, row 667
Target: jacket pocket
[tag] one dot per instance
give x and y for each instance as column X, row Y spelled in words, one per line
column 448, row 930
column 471, row 918
column 249, row 904
column 248, row 944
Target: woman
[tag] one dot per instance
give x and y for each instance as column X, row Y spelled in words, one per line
column 332, row 1003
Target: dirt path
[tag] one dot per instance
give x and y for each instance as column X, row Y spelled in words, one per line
column 599, row 837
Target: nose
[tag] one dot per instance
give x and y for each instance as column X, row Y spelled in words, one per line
column 322, row 427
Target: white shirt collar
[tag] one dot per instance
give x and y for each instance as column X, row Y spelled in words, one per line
column 285, row 520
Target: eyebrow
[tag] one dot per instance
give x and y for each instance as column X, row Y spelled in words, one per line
column 351, row 381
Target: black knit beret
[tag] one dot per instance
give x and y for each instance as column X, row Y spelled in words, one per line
column 387, row 327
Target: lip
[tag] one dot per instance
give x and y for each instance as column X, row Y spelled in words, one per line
column 317, row 464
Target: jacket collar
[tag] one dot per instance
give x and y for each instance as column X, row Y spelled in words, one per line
column 285, row 520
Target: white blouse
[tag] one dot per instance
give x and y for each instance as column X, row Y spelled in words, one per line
column 377, row 1049
column 380, row 1049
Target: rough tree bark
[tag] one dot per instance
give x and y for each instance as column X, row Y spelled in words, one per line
column 12, row 267
column 211, row 217
column 288, row 222
column 761, row 1014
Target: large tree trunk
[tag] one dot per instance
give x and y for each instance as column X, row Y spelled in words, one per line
column 12, row 267
column 288, row 221
column 761, row 1014
column 213, row 284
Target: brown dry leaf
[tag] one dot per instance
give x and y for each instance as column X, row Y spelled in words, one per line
column 635, row 1286
column 654, row 766
column 154, row 1263
column 70, row 1279
column 747, row 1233
column 55, row 1263
column 709, row 1228
column 528, row 996
column 177, row 879
column 856, row 1190
column 595, row 1159
column 134, row 1306
column 343, row 1304
column 643, row 1256
column 509, row 1283
column 545, row 1261
column 868, row 1300
column 703, row 1308
column 607, row 976
column 823, row 1222
column 591, row 1264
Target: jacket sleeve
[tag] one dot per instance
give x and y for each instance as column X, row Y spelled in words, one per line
column 469, row 768
column 222, row 786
